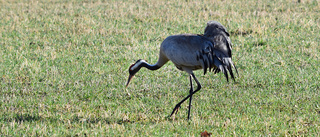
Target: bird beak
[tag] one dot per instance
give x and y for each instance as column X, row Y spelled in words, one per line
column 129, row 79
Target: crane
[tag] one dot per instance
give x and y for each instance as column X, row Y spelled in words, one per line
column 188, row 52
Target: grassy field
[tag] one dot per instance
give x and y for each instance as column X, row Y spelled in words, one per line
column 64, row 64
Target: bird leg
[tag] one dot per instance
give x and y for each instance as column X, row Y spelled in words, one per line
column 190, row 95
column 190, row 92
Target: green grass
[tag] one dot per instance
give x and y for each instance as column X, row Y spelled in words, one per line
column 64, row 64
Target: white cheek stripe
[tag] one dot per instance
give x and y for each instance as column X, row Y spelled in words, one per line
column 137, row 64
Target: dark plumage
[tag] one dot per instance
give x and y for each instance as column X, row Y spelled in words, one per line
column 189, row 52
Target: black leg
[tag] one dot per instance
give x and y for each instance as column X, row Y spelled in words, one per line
column 190, row 94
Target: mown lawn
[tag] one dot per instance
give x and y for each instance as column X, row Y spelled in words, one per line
column 64, row 65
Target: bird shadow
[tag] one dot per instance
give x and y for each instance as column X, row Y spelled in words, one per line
column 28, row 117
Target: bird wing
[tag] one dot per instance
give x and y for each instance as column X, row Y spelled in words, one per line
column 217, row 56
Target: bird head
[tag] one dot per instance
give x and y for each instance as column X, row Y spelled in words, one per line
column 133, row 69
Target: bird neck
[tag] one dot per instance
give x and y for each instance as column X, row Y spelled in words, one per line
column 149, row 66
column 142, row 63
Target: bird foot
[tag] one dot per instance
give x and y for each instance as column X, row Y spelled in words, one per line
column 176, row 109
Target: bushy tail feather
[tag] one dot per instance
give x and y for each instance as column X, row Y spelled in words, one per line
column 212, row 58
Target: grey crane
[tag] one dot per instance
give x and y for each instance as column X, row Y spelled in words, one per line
column 189, row 52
